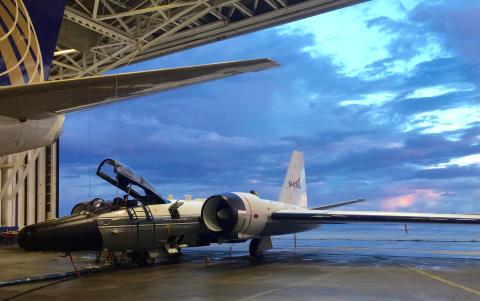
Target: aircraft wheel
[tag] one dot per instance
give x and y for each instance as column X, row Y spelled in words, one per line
column 144, row 260
column 253, row 248
column 120, row 262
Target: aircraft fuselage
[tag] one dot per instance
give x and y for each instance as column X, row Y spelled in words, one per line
column 156, row 227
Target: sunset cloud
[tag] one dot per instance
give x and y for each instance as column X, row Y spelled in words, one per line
column 406, row 201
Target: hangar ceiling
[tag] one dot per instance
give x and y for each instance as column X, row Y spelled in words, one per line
column 100, row 35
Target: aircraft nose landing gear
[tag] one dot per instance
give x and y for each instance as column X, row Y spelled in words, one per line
column 142, row 258
column 145, row 260
column 258, row 245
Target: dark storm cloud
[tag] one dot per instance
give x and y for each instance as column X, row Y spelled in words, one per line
column 457, row 22
column 457, row 27
column 408, row 107
column 415, row 148
column 407, row 38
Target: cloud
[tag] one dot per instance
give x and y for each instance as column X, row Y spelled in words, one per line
column 377, row 99
column 438, row 121
column 458, row 162
column 434, row 91
column 174, row 136
column 456, row 23
column 409, row 200
column 449, row 173
column 361, row 32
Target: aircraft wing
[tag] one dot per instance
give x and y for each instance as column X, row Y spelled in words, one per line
column 340, row 216
column 37, row 101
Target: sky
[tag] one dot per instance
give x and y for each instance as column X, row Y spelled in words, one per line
column 383, row 99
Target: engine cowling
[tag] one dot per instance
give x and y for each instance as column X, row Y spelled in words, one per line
column 236, row 213
column 18, row 135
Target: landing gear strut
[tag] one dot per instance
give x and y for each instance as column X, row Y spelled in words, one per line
column 258, row 245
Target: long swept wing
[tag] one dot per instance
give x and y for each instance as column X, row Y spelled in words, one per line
column 338, row 216
column 37, row 101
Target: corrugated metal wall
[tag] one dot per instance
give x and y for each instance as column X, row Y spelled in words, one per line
column 28, row 186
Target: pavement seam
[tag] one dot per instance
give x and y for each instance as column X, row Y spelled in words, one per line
column 264, row 293
column 443, row 280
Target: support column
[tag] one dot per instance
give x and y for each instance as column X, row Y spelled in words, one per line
column 5, row 206
column 53, row 212
column 40, row 179
column 2, row 179
column 21, row 200
column 31, row 189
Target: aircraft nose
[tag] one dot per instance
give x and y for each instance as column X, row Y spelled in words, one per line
column 73, row 233
column 27, row 238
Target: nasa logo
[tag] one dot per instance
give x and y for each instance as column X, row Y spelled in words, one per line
column 294, row 184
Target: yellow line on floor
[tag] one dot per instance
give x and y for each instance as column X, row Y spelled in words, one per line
column 443, row 280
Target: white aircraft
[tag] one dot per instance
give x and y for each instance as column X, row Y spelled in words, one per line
column 144, row 225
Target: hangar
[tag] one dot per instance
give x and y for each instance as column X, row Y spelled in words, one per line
column 29, row 182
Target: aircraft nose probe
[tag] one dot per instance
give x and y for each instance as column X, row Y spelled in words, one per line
column 73, row 233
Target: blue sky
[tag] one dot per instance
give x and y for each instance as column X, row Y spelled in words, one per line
column 383, row 98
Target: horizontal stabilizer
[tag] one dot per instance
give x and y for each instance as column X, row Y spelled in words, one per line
column 38, row 101
column 335, row 205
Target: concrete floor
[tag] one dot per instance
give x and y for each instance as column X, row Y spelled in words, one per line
column 301, row 274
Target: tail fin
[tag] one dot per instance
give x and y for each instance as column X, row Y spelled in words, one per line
column 294, row 189
column 28, row 35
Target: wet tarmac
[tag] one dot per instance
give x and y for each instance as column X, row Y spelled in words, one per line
column 331, row 268
column 301, row 274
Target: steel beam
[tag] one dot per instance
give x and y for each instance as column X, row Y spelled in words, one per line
column 101, row 28
column 150, row 9
column 219, row 30
column 135, row 31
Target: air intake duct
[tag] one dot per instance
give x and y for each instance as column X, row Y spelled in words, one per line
column 220, row 212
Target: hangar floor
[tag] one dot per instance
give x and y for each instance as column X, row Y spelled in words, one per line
column 307, row 273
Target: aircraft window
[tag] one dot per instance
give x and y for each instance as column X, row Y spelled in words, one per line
column 126, row 179
column 128, row 172
column 109, row 170
column 139, row 190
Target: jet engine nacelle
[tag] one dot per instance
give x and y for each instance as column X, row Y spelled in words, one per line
column 237, row 213
column 17, row 136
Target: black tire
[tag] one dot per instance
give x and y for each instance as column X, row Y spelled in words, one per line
column 144, row 260
column 253, row 248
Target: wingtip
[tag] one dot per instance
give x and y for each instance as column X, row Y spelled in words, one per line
column 266, row 62
column 273, row 63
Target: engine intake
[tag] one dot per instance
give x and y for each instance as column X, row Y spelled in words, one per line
column 220, row 212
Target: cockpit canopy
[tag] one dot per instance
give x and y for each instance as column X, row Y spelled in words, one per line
column 123, row 177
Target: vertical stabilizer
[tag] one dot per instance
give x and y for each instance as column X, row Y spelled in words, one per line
column 294, row 188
